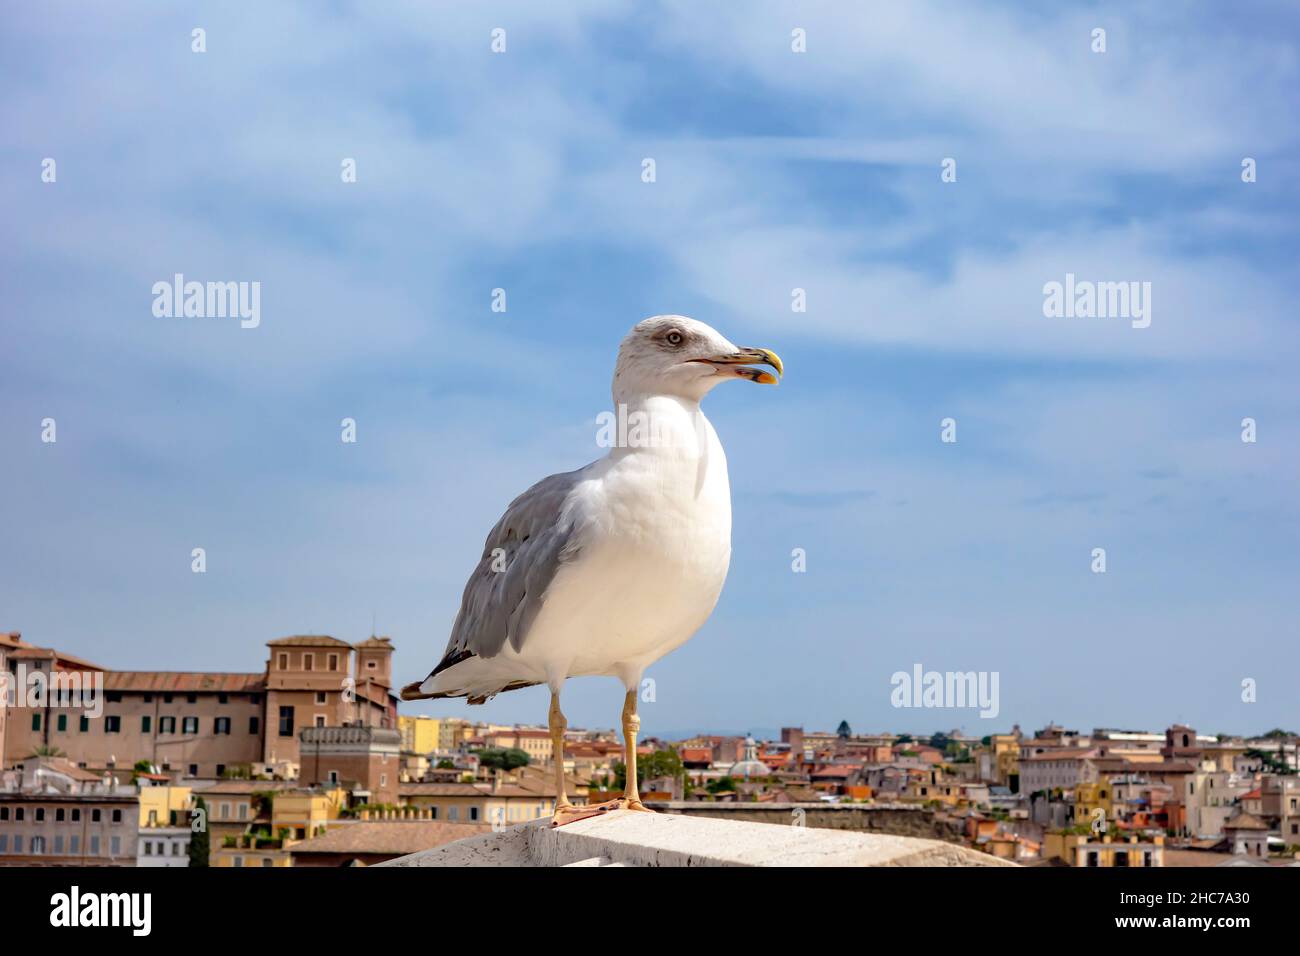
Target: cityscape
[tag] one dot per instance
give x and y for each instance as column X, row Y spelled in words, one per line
column 308, row 763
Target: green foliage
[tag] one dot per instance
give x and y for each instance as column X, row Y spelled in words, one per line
column 502, row 758
column 445, row 764
column 721, row 785
column 661, row 763
column 843, row 731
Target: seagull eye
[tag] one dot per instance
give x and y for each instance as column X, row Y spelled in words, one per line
column 674, row 338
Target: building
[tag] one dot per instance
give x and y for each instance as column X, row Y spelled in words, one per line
column 1246, row 834
column 165, row 823
column 53, row 813
column 498, row 802
column 365, row 761
column 311, row 681
column 1057, row 768
column 186, row 723
column 536, row 743
column 420, row 735
column 1076, row 850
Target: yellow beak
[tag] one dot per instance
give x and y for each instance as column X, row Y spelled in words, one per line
column 735, row 362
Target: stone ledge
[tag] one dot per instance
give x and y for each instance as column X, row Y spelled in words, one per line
column 625, row 838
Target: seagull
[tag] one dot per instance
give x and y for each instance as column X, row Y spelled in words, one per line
column 604, row 570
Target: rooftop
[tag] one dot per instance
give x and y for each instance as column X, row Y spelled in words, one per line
column 626, row 838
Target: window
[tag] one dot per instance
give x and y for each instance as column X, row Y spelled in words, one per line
column 473, row 813
column 166, row 725
column 58, row 814
column 433, row 813
column 148, row 698
column 334, row 776
column 284, row 661
column 221, row 725
column 194, row 770
column 189, row 725
column 94, row 846
column 266, row 861
column 320, row 720
column 58, row 845
column 286, row 721
column 453, row 813
column 238, row 861
column 383, row 779
column 334, row 662
column 83, row 724
column 167, row 698
column 38, row 844
column 370, row 665
column 146, row 724
column 148, row 848
column 96, row 815
column 40, row 814
column 320, row 697
column 117, row 816
column 253, row 725
column 4, row 813
column 223, row 698
column 4, row 843
column 191, row 698
column 36, row 721
column 243, row 811
column 307, row 661
column 221, row 770
column 115, row 846
column 63, row 723
column 18, row 843
column 225, row 810
column 74, row 844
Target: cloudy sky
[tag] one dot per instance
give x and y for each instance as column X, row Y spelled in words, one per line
column 775, row 170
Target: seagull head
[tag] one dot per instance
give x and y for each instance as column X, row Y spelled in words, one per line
column 685, row 358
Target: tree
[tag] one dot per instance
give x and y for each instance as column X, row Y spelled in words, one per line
column 1271, row 762
column 445, row 764
column 721, row 785
column 903, row 739
column 844, row 731
column 939, row 741
column 45, row 751
column 502, row 758
column 661, row 763
column 199, row 838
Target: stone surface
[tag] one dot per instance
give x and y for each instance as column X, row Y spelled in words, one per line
column 625, row 838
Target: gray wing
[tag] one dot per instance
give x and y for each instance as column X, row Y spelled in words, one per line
column 522, row 553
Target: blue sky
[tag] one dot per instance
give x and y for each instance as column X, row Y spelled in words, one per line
column 775, row 170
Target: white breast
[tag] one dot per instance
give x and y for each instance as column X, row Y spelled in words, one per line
column 656, row 545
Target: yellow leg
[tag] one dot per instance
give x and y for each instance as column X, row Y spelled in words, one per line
column 558, row 725
column 631, row 724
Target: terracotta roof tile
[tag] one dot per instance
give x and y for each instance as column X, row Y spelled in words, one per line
column 388, row 837
column 183, row 682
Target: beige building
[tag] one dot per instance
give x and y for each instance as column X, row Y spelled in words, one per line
column 536, row 743
column 311, row 681
column 195, row 724
column 53, row 813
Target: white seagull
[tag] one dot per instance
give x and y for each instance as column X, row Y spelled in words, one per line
column 604, row 570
